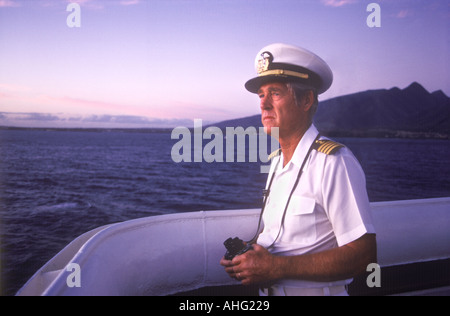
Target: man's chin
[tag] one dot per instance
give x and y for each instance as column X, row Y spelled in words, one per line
column 273, row 131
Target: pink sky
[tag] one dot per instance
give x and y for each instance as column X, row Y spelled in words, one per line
column 182, row 60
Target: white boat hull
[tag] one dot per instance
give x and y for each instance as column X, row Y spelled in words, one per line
column 164, row 255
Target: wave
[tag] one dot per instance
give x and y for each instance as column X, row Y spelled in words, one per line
column 62, row 207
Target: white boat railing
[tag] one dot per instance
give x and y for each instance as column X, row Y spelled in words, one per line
column 168, row 254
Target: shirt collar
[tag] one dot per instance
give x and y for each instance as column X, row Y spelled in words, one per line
column 303, row 147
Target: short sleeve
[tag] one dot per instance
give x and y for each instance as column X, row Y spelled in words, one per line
column 345, row 197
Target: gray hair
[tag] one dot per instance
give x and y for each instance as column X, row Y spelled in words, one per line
column 298, row 91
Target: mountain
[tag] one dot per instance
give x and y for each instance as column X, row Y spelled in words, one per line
column 409, row 113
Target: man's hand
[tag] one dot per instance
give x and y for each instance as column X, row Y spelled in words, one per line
column 253, row 267
column 260, row 266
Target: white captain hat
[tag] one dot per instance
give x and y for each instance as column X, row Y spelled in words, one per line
column 287, row 63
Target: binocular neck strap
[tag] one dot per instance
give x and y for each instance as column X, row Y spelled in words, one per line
column 267, row 192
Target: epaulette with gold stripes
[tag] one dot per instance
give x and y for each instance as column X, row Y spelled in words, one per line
column 327, row 147
column 275, row 154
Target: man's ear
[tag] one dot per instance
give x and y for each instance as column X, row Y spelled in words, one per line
column 307, row 100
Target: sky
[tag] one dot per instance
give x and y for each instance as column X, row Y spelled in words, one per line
column 164, row 63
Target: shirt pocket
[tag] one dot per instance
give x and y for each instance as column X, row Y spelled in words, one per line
column 300, row 221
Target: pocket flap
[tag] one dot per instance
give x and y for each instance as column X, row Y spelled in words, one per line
column 300, row 205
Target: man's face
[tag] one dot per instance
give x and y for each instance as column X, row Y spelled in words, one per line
column 279, row 109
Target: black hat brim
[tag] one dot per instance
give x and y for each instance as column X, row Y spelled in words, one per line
column 253, row 85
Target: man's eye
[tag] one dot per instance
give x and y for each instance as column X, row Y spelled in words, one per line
column 275, row 94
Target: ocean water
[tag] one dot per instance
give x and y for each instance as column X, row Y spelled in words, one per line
column 56, row 185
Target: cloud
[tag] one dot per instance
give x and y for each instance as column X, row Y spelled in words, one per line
column 337, row 3
column 60, row 120
column 8, row 4
column 134, row 120
column 97, row 4
column 129, row 2
column 90, row 4
column 80, row 2
column 28, row 117
column 404, row 14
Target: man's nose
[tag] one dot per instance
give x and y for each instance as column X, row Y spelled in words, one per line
column 265, row 103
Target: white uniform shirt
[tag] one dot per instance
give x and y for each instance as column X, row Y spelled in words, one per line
column 329, row 207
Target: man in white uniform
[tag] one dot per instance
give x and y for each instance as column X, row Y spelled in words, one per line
column 318, row 232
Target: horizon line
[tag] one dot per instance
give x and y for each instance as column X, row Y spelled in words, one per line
column 36, row 120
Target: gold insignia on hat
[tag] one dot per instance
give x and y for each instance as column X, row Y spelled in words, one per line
column 284, row 73
column 263, row 68
column 264, row 62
